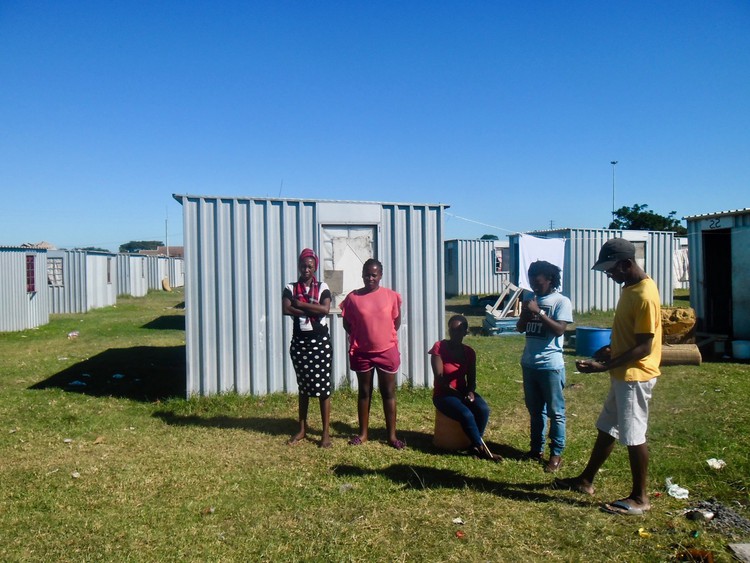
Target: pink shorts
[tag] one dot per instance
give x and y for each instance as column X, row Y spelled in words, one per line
column 387, row 360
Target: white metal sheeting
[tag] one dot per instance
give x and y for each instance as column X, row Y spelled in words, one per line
column 239, row 254
column 21, row 309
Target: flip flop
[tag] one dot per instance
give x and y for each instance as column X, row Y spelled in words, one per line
column 355, row 441
column 622, row 507
column 397, row 444
column 572, row 485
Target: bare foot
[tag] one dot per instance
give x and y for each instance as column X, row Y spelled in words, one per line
column 325, row 442
column 574, row 484
column 297, row 438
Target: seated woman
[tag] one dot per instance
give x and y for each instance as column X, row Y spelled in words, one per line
column 454, row 367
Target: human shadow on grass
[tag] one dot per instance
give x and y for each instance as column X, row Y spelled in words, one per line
column 421, row 441
column 422, row 477
column 167, row 322
column 262, row 424
column 141, row 373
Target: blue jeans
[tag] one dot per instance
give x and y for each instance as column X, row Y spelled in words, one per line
column 473, row 417
column 543, row 391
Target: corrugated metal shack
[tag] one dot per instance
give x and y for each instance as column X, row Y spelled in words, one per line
column 160, row 268
column 24, row 302
column 240, row 252
column 176, row 267
column 719, row 257
column 588, row 289
column 131, row 275
column 475, row 266
column 81, row 280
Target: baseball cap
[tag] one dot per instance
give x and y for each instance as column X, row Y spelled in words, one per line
column 612, row 252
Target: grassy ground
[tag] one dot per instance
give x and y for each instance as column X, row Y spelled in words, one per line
column 122, row 469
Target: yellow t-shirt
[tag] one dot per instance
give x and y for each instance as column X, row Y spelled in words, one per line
column 638, row 312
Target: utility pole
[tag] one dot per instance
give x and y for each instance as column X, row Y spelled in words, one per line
column 613, row 163
column 166, row 229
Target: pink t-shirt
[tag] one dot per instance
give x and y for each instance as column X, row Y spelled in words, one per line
column 371, row 317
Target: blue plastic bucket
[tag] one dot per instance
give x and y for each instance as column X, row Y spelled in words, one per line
column 590, row 338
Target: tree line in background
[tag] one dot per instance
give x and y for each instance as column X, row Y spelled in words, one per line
column 640, row 218
column 137, row 245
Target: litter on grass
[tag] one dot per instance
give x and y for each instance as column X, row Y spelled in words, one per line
column 714, row 463
column 459, row 521
column 675, row 490
column 73, row 334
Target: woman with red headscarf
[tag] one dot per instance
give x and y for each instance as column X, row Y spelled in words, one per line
column 308, row 301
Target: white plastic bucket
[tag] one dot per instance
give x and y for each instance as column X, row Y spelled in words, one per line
column 741, row 349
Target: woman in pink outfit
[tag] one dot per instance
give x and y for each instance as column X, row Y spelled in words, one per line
column 372, row 316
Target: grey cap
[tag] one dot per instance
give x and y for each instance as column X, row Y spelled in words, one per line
column 612, row 252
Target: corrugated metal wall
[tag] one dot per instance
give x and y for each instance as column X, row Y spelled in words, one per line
column 101, row 280
column 239, row 254
column 20, row 310
column 131, row 275
column 157, row 270
column 589, row 289
column 70, row 297
column 470, row 268
column 176, row 271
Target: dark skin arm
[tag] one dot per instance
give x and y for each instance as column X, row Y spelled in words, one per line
column 437, row 370
column 603, row 360
column 531, row 308
column 295, row 308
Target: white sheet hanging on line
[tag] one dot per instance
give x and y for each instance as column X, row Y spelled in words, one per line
column 531, row 249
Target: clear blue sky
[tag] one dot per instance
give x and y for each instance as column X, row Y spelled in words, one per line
column 510, row 112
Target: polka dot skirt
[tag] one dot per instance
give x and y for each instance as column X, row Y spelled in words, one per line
column 311, row 358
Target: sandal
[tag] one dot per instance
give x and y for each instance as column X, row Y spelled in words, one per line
column 355, row 441
column 397, row 444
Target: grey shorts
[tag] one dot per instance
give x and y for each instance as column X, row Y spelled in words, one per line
column 625, row 412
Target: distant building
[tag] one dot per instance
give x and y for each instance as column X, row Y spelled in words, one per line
column 171, row 251
column 81, row 280
column 588, row 289
column 24, row 302
column 475, row 266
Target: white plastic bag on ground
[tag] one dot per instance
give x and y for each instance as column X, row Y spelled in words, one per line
column 675, row 490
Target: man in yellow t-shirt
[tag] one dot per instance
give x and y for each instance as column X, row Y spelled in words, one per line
column 633, row 360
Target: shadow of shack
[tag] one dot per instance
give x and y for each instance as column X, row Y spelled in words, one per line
column 140, row 373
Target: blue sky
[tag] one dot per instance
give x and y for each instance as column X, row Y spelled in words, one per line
column 508, row 112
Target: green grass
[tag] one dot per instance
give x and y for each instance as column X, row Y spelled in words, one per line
column 161, row 478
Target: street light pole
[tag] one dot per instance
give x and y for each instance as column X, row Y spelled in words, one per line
column 613, row 163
